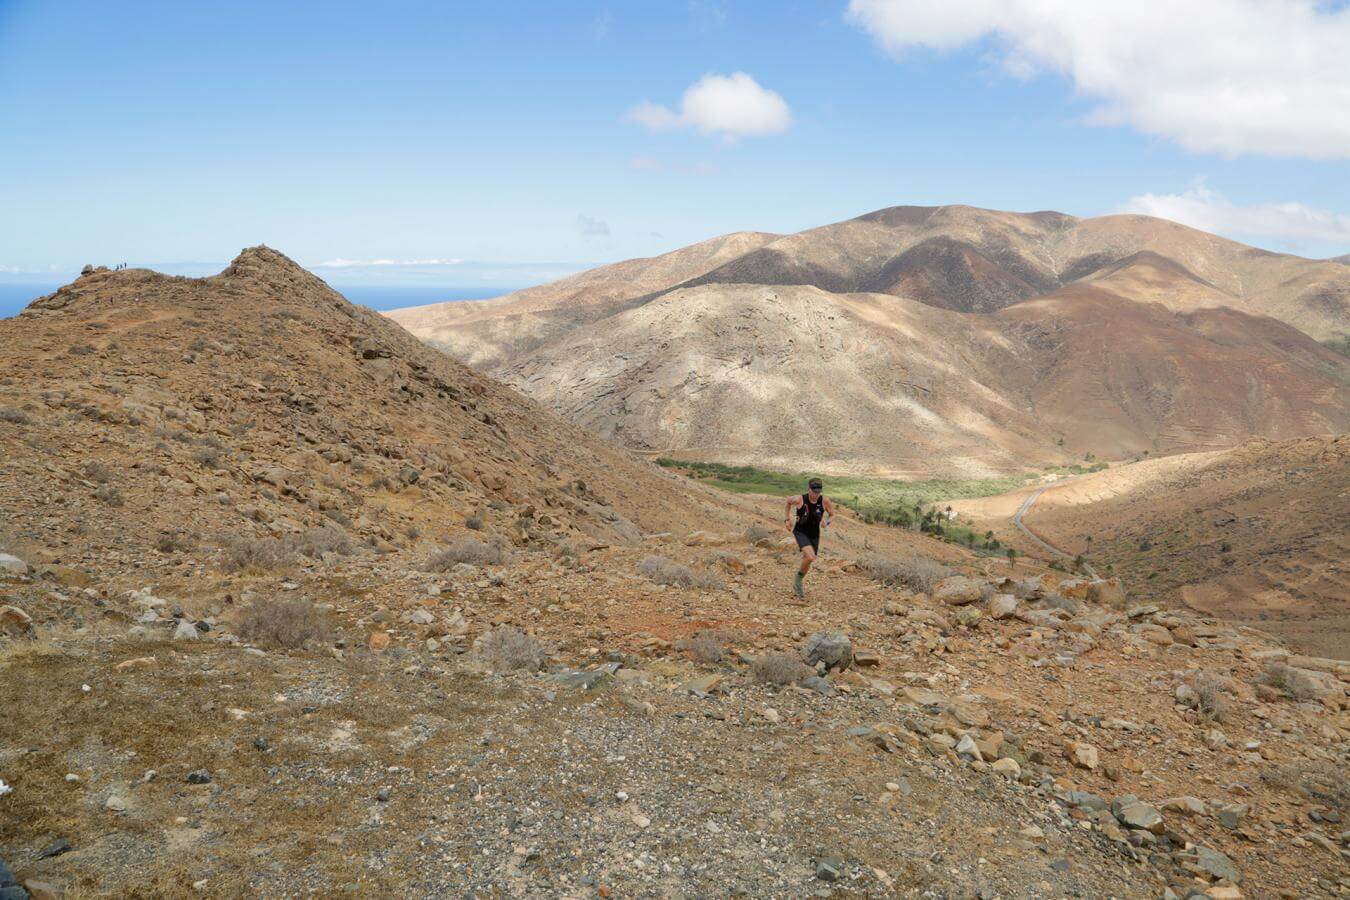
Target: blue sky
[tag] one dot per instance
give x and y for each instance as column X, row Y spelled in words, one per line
column 499, row 142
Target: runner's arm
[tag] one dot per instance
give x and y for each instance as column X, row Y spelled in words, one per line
column 792, row 504
column 829, row 512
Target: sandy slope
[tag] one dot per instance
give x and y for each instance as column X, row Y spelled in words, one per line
column 1256, row 534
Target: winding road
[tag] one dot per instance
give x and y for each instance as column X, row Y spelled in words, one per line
column 1037, row 539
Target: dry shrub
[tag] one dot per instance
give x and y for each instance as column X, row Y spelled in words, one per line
column 97, row 472
column 779, row 668
column 663, row 571
column 757, row 532
column 1323, row 782
column 704, row 646
column 255, row 554
column 110, row 495
column 175, row 542
column 207, row 456
column 1283, row 678
column 474, row 521
column 14, row 416
column 318, row 541
column 283, row 623
column 1212, row 690
column 465, row 550
column 508, row 649
column 917, row 573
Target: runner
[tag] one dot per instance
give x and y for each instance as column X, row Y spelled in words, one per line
column 813, row 513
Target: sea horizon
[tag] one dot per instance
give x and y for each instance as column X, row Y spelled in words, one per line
column 15, row 296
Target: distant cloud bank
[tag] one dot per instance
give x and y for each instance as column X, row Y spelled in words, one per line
column 341, row 263
column 1268, row 77
column 730, row 106
column 1208, row 210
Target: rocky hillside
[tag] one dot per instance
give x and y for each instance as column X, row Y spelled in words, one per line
column 290, row 604
column 259, row 403
column 947, row 339
column 1255, row 534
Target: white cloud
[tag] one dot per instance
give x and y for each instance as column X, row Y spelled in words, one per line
column 1217, row 76
column 732, row 106
column 592, row 227
column 644, row 164
column 341, row 263
column 1211, row 211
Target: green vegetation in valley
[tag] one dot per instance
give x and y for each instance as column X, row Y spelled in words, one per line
column 920, row 505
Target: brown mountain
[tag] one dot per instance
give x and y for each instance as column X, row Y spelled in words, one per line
column 265, row 404
column 915, row 339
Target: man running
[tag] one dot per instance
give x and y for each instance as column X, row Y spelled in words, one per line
column 813, row 513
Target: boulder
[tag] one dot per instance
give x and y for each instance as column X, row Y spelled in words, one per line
column 1081, row 754
column 1134, row 813
column 957, row 590
column 832, row 648
column 15, row 623
column 10, row 563
column 1002, row 606
column 1106, row 592
column 1154, row 634
column 1186, row 806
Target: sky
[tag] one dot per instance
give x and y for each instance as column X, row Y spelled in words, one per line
column 491, row 146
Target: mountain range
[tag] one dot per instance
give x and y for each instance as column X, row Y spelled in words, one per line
column 910, row 340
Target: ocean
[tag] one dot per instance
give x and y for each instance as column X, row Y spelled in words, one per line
column 14, row 297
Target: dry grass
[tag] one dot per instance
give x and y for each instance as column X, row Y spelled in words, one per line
column 110, row 495
column 465, row 550
column 318, row 541
column 255, row 555
column 14, row 416
column 918, row 573
column 284, row 623
column 1212, row 691
column 1283, row 678
column 663, row 571
column 508, row 649
column 757, row 532
column 779, row 668
column 1322, row 782
column 704, row 646
column 175, row 542
column 97, row 472
column 208, row 456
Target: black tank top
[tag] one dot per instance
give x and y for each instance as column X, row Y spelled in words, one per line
column 810, row 515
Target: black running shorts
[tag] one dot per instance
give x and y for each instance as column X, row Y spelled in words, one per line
column 805, row 538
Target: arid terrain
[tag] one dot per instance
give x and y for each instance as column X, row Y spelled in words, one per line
column 934, row 340
column 292, row 604
column 1256, row 534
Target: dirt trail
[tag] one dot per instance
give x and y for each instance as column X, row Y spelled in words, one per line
column 1035, row 538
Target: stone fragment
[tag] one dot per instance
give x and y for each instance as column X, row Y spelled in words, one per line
column 957, row 590
column 832, row 648
column 15, row 623
column 1081, row 754
column 1134, row 813
column 12, row 564
column 1002, row 606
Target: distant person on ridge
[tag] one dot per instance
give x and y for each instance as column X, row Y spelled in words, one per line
column 813, row 513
